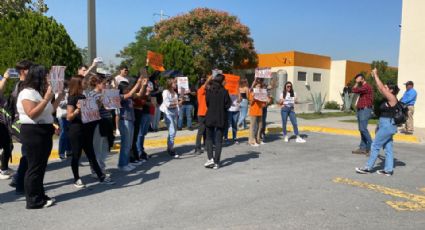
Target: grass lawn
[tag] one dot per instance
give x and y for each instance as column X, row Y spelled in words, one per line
column 311, row 116
column 371, row 121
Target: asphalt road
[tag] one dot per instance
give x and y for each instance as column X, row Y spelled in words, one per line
column 276, row 186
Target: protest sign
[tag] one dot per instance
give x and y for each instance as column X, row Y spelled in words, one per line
column 57, row 77
column 183, row 85
column 111, row 99
column 260, row 94
column 232, row 83
column 263, row 73
column 155, row 61
column 89, row 110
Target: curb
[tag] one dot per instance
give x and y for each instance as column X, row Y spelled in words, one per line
column 190, row 139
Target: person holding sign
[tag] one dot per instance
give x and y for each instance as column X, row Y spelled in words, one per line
column 287, row 101
column 257, row 103
column 80, row 134
column 36, row 116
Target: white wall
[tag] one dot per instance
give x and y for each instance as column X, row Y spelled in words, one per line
column 412, row 53
column 337, row 81
column 300, row 86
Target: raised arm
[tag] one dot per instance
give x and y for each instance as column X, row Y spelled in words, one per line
column 3, row 81
column 392, row 99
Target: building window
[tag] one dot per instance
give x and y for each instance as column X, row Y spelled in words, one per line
column 302, row 76
column 317, row 77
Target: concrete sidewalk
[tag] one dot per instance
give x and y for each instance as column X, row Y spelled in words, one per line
column 334, row 125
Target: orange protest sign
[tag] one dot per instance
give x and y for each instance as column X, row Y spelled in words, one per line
column 232, row 83
column 155, row 61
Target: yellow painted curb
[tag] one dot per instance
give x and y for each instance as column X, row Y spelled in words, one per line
column 190, row 139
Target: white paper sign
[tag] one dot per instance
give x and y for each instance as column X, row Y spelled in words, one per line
column 111, row 99
column 57, row 77
column 183, row 85
column 260, row 94
column 263, row 73
column 89, row 110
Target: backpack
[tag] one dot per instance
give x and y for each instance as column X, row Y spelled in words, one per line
column 8, row 113
column 400, row 113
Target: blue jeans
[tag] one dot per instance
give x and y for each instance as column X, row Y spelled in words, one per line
column 156, row 118
column 143, row 130
column 170, row 121
column 243, row 113
column 233, row 118
column 285, row 112
column 185, row 109
column 64, row 144
column 363, row 117
column 126, row 130
column 383, row 139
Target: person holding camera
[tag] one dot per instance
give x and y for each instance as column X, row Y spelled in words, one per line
column 364, row 112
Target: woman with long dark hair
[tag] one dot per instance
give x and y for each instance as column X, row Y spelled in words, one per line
column 36, row 116
column 81, row 135
column 218, row 102
column 386, row 128
column 287, row 101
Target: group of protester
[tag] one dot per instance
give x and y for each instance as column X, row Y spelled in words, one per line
column 143, row 102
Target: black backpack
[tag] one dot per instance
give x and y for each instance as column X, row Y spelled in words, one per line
column 400, row 113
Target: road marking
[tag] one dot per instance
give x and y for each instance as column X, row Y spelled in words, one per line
column 414, row 202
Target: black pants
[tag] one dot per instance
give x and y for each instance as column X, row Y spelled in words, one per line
column 201, row 132
column 214, row 134
column 134, row 154
column 6, row 145
column 81, row 138
column 37, row 141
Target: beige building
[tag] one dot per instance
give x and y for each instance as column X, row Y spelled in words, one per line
column 412, row 53
column 309, row 73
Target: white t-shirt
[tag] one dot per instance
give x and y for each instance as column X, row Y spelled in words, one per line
column 235, row 107
column 170, row 102
column 45, row 117
column 288, row 100
column 120, row 78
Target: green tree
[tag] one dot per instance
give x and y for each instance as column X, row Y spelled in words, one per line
column 134, row 54
column 21, row 6
column 217, row 39
column 178, row 56
column 38, row 38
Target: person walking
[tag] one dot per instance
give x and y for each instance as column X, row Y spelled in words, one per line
column 169, row 106
column 287, row 102
column 243, row 92
column 218, row 102
column 364, row 112
column 409, row 99
column 202, row 112
column 81, row 135
column 36, row 116
column 386, row 128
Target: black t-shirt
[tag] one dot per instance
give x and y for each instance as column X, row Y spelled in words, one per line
column 189, row 99
column 72, row 100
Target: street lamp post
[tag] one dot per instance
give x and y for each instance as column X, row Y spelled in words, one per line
column 91, row 25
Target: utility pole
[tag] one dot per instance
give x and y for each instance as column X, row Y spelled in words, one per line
column 161, row 15
column 91, row 25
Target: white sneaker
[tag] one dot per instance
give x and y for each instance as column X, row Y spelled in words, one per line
column 209, row 163
column 5, row 175
column 136, row 163
column 262, row 143
column 300, row 140
column 49, row 202
column 79, row 184
column 286, row 139
column 177, row 156
column 126, row 168
column 255, row 145
column 108, row 181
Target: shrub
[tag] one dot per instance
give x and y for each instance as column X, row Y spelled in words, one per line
column 331, row 105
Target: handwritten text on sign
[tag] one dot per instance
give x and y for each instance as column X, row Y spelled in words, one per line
column 263, row 72
column 57, row 77
column 232, row 83
column 260, row 94
column 183, row 85
column 89, row 110
column 111, row 99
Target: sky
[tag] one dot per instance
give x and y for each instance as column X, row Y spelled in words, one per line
column 358, row 30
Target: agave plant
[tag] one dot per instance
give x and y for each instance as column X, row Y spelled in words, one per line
column 347, row 99
column 318, row 101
